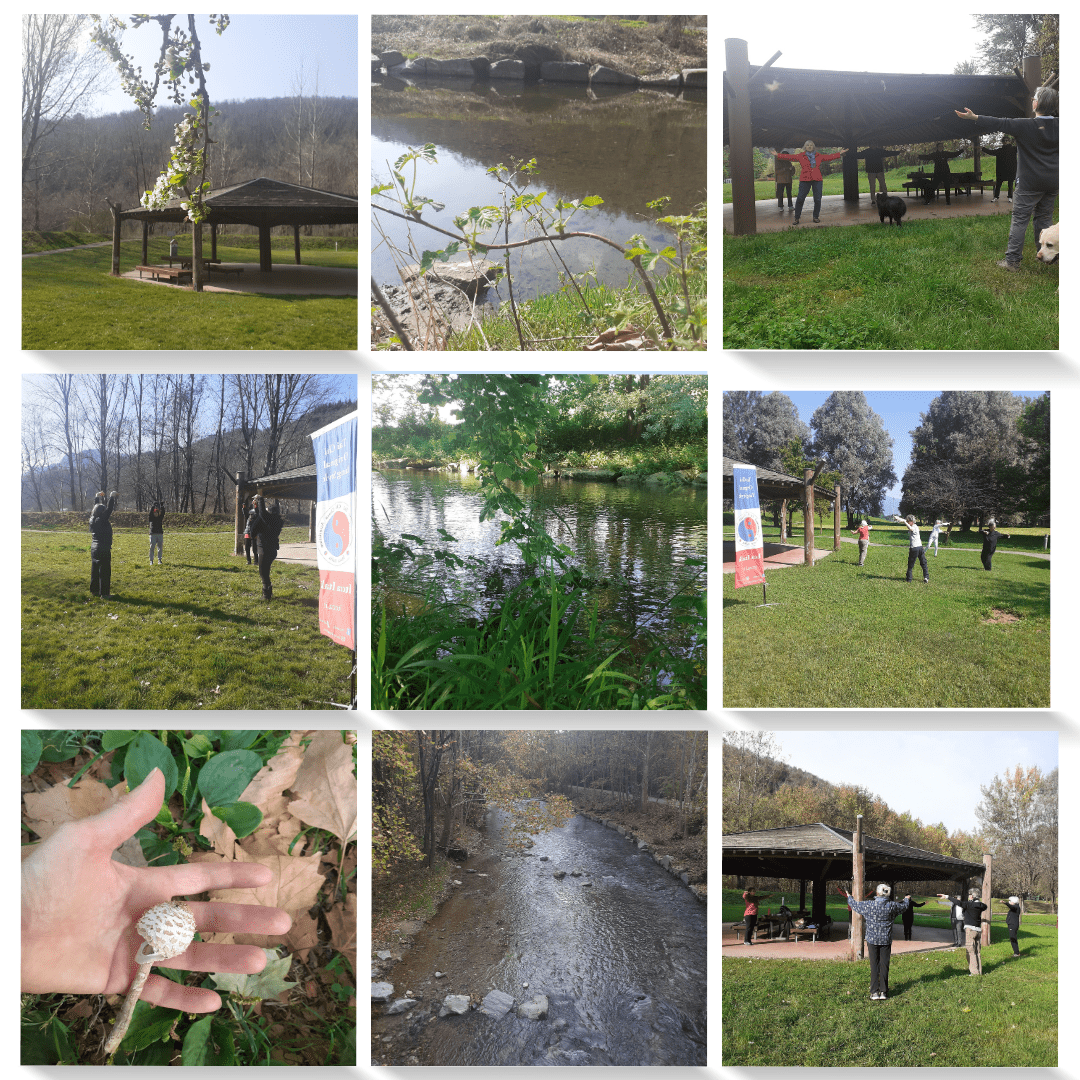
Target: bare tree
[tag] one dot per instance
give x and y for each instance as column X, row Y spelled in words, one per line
column 60, row 75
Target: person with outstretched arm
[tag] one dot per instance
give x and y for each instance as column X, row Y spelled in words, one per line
column 750, row 914
column 1036, row 167
column 933, row 541
column 973, row 908
column 990, row 536
column 101, row 538
column 810, row 160
column 915, row 548
column 880, row 914
column 863, row 532
column 1012, row 921
column 908, row 918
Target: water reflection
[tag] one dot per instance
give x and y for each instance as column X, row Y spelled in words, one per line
column 628, row 147
column 638, row 537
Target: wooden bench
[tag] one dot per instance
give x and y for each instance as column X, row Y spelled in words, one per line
column 173, row 273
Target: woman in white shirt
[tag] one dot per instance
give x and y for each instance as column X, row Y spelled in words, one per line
column 915, row 549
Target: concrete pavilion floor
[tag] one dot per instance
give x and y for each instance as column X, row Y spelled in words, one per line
column 834, row 211
column 774, row 555
column 284, row 278
column 923, row 939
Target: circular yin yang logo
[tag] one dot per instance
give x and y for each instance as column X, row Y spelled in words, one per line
column 748, row 530
column 336, row 533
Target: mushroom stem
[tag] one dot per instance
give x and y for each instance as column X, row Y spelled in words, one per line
column 124, row 1019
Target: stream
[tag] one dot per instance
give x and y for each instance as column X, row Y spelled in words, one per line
column 619, row 952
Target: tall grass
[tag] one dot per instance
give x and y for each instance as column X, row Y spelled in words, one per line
column 845, row 636
column 194, row 633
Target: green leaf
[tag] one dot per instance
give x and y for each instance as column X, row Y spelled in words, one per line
column 592, row 200
column 149, row 1025
column 238, row 740
column 224, row 777
column 59, row 745
column 198, row 745
column 264, row 985
column 112, row 740
column 242, row 817
column 31, row 752
column 145, row 754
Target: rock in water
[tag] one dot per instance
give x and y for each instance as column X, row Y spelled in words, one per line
column 559, row 874
column 497, row 1004
column 454, row 1003
column 535, row 1009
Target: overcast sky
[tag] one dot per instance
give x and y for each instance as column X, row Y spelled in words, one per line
column 899, row 411
column 257, row 56
column 934, row 776
column 877, row 40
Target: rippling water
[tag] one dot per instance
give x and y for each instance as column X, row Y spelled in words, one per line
column 638, row 536
column 621, row 960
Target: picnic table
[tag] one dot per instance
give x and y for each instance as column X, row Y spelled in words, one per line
column 172, row 273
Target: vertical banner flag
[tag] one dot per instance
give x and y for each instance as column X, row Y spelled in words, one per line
column 749, row 551
column 335, row 528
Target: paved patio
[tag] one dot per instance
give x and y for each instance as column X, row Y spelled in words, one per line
column 834, row 211
column 775, row 555
column 286, row 278
column 923, row 939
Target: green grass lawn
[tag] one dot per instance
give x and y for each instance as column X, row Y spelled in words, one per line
column 927, row 285
column 818, row 1012
column 844, row 636
column 70, row 301
column 193, row 633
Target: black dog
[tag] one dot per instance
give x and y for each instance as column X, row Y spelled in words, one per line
column 893, row 207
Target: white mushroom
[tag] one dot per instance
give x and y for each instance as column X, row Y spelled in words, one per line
column 168, row 929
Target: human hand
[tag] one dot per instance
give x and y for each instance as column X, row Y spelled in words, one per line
column 967, row 114
column 79, row 909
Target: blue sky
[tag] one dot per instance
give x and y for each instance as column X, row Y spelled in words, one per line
column 256, row 56
column 946, row 785
column 899, row 411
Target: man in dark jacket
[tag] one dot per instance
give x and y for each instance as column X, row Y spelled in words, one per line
column 1036, row 167
column 973, row 908
column 157, row 532
column 101, row 545
column 908, row 917
column 1012, row 921
column 990, row 537
column 266, row 530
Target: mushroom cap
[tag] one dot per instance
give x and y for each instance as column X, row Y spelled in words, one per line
column 168, row 929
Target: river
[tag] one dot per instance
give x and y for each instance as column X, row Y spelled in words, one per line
column 621, row 960
column 628, row 147
column 636, row 536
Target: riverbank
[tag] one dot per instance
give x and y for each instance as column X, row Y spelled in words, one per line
column 674, row 475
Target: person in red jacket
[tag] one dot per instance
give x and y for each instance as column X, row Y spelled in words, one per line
column 810, row 162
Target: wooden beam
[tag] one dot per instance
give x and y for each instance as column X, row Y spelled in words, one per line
column 987, row 884
column 836, row 520
column 264, row 248
column 858, row 872
column 808, row 516
column 296, row 242
column 115, row 238
column 238, row 546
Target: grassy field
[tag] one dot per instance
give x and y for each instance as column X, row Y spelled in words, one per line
column 70, row 301
column 927, row 285
column 844, row 636
column 194, row 633
column 818, row 1013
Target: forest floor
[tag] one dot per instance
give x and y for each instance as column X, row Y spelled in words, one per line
column 659, row 828
column 651, row 49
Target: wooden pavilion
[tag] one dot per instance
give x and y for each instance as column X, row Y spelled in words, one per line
column 774, row 485
column 298, row 483
column 769, row 107
column 261, row 203
column 822, row 853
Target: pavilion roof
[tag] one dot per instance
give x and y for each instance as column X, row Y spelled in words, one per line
column 263, row 202
column 870, row 108
column 816, row 850
column 298, row 483
column 771, row 485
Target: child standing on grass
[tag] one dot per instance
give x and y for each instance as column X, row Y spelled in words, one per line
column 915, row 549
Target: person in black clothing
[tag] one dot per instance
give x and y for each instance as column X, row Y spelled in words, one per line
column 266, row 530
column 990, row 542
column 157, row 531
column 1036, row 167
column 1006, row 166
column 973, row 908
column 908, row 917
column 250, row 547
column 875, row 168
column 1012, row 921
column 101, row 545
column 942, row 174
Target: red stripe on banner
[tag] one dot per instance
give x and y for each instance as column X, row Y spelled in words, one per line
column 336, row 606
column 749, row 567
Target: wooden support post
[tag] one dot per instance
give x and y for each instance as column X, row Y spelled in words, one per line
column 858, row 873
column 115, row 208
column 741, row 149
column 836, row 520
column 264, row 248
column 296, row 242
column 311, row 522
column 145, row 242
column 802, row 893
column 213, row 241
column 987, row 885
column 808, row 517
column 1032, row 78
column 783, row 521
column 238, row 546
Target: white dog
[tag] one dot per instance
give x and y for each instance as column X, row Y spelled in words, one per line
column 1048, row 244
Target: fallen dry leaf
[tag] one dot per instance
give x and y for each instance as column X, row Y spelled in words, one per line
column 48, row 810
column 267, row 785
column 326, row 787
column 342, row 921
column 222, row 838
